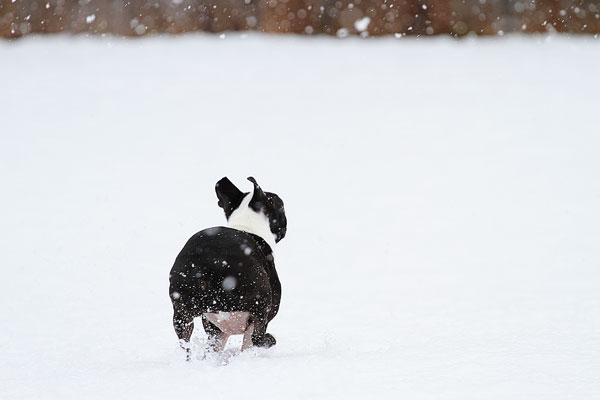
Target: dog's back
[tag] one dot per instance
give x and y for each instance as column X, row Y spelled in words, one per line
column 224, row 269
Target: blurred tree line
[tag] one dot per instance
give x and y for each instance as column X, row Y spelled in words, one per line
column 335, row 17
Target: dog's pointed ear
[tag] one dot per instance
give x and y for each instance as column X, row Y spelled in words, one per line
column 259, row 199
column 229, row 196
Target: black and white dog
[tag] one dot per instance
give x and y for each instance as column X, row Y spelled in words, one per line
column 226, row 275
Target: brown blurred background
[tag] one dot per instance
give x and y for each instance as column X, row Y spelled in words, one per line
column 341, row 17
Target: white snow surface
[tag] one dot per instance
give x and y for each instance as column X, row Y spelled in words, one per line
column 442, row 197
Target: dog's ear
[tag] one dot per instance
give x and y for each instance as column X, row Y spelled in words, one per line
column 259, row 200
column 229, row 196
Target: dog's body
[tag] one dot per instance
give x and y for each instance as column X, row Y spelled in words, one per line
column 226, row 275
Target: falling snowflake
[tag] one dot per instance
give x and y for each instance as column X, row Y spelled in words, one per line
column 362, row 24
column 229, row 283
column 342, row 32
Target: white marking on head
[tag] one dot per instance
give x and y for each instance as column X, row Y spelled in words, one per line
column 246, row 219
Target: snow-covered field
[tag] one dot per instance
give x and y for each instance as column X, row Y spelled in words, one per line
column 442, row 197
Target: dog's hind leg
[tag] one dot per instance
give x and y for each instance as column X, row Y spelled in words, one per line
column 184, row 326
column 217, row 339
column 260, row 337
column 247, row 342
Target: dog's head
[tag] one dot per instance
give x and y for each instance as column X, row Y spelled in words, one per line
column 252, row 206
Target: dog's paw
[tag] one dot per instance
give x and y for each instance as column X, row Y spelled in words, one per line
column 267, row 341
column 187, row 348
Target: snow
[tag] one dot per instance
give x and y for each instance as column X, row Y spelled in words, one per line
column 442, row 199
column 229, row 283
column 342, row 33
column 362, row 23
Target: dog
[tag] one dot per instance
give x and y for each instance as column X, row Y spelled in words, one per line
column 227, row 276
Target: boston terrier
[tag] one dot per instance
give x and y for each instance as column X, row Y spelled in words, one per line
column 227, row 276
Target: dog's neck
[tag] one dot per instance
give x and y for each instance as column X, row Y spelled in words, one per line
column 246, row 219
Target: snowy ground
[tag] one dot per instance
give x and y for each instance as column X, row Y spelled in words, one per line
column 442, row 199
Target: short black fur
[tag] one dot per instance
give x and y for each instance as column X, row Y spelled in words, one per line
column 241, row 259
